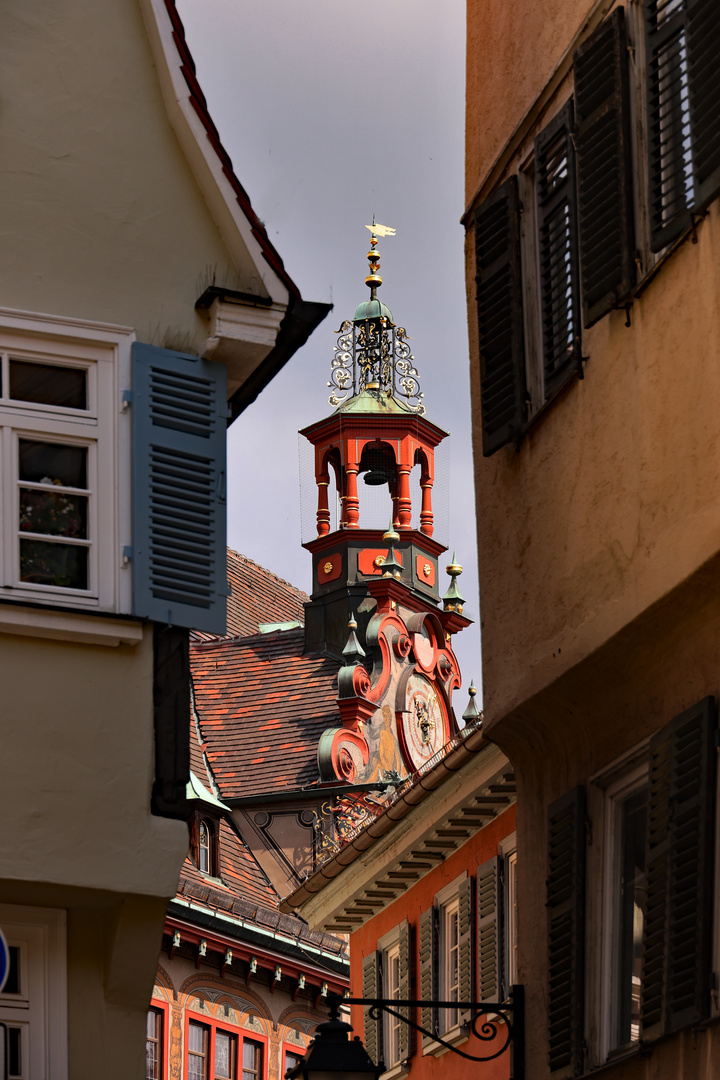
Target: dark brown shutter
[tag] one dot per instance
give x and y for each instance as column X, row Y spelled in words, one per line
column 406, row 1042
column 677, row 935
column 670, row 168
column 566, row 930
column 428, row 969
column 500, row 316
column 372, row 989
column 466, row 944
column 703, row 44
column 489, row 907
column 557, row 250
column 604, row 169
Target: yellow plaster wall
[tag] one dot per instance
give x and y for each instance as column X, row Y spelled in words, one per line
column 79, row 810
column 99, row 213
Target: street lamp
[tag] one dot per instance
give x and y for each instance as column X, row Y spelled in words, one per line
column 333, row 1056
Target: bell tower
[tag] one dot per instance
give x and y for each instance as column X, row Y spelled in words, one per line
column 376, row 435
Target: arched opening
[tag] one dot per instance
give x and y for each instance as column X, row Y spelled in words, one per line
column 377, row 495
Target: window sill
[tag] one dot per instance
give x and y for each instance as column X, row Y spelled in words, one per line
column 396, row 1072
column 69, row 626
column 456, row 1036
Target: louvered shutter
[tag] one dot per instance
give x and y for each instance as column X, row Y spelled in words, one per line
column 703, row 39
column 428, row 969
column 668, row 118
column 604, row 169
column 557, row 250
column 372, row 989
column 466, row 944
column 404, row 989
column 489, row 906
column 500, row 317
column 179, row 427
column 566, row 930
column 680, row 844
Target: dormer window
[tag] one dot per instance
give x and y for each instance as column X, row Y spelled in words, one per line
column 205, row 847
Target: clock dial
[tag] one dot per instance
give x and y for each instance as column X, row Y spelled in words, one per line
column 424, row 725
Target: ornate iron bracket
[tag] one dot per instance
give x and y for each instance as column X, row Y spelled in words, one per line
column 491, row 1017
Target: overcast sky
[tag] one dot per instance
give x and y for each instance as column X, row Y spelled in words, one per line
column 333, row 110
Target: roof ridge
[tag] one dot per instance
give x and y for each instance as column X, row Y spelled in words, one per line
column 270, row 573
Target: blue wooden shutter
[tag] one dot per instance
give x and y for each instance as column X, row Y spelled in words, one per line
column 179, row 424
column 604, row 167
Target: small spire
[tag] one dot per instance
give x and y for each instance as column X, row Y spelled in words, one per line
column 452, row 600
column 391, row 535
column 353, row 651
column 472, row 713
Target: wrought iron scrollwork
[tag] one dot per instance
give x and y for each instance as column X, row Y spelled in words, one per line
column 489, row 1022
column 374, row 354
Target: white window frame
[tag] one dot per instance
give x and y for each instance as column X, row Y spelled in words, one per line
column 447, row 902
column 39, row 1010
column 389, row 949
column 103, row 351
column 508, row 853
column 606, row 793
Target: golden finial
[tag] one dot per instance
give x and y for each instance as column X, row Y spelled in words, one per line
column 373, row 280
column 391, row 535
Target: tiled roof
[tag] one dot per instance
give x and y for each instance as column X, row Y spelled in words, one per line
column 257, row 596
column 241, row 877
column 199, row 104
column 262, row 707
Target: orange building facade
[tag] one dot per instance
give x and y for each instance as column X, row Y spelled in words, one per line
column 593, row 225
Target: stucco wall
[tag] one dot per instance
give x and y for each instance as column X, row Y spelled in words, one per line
column 610, row 500
column 79, row 812
column 99, row 213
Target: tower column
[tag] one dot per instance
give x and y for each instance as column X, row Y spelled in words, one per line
column 323, row 510
column 351, row 503
column 426, row 513
column 404, row 502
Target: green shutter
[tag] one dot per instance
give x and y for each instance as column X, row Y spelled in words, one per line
column 466, row 944
column 179, row 426
column 372, row 989
column 566, row 930
column 428, row 970
column 680, row 846
column 557, row 251
column 406, row 1042
column 703, row 40
column 604, row 169
column 489, row 910
column 500, row 317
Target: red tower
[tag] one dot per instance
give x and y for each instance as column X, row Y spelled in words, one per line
column 399, row 669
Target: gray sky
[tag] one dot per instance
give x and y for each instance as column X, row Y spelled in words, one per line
column 332, row 110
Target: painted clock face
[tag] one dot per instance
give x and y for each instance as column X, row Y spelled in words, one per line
column 424, row 724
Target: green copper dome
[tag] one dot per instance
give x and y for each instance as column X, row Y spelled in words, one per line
column 372, row 309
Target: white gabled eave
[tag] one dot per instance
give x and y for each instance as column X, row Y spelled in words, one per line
column 204, row 163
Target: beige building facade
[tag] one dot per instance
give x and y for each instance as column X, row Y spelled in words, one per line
column 142, row 306
column 593, row 224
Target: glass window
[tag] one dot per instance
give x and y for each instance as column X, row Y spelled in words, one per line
column 197, row 1051
column 630, row 895
column 48, row 384
column 291, row 1060
column 252, row 1065
column 449, row 961
column 204, row 848
column 153, row 1044
column 225, row 1055
column 391, row 989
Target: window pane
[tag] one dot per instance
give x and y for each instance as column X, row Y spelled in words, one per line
column 632, row 885
column 45, row 563
column 48, row 384
column 196, row 1038
column 152, row 1045
column 53, row 513
column 252, row 1060
column 197, row 1052
column 53, row 463
column 12, row 983
column 291, row 1060
column 14, row 1052
column 224, row 1056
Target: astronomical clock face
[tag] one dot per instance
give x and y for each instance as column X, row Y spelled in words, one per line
column 423, row 722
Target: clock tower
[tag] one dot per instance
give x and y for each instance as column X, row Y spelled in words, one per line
column 375, row 600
